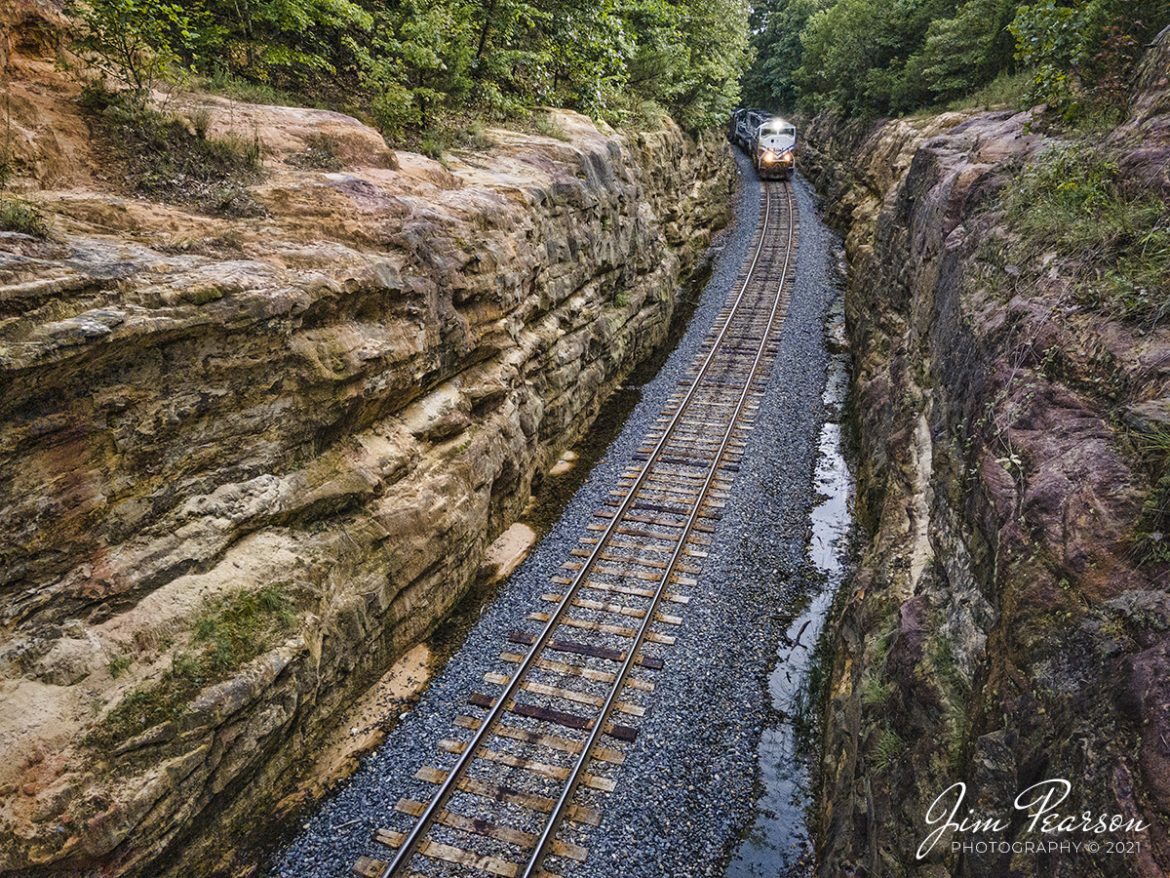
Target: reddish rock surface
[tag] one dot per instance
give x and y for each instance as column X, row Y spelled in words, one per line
column 1000, row 629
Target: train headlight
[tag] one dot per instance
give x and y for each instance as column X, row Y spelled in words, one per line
column 768, row 156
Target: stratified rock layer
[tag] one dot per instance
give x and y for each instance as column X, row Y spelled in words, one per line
column 999, row 630
column 347, row 398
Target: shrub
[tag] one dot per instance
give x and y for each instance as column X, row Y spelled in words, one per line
column 133, row 41
column 887, row 750
column 119, row 665
column 18, row 215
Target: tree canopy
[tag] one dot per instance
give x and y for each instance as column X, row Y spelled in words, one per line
column 869, row 57
column 409, row 63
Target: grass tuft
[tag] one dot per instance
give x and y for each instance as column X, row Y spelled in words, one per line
column 229, row 631
column 1075, row 202
column 1008, row 91
column 873, row 690
column 955, row 690
column 1152, row 536
column 888, row 748
column 545, row 125
column 119, row 665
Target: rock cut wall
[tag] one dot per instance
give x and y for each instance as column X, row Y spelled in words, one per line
column 345, row 399
column 1000, row 629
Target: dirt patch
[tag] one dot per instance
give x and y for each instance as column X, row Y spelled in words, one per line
column 171, row 157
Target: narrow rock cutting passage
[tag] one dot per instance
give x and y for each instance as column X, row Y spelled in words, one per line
column 532, row 738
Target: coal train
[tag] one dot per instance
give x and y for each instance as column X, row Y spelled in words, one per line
column 769, row 140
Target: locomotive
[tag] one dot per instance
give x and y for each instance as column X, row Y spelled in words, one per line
column 769, row 140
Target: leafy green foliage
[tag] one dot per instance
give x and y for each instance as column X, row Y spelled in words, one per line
column 417, row 67
column 1082, row 52
column 855, row 51
column 133, row 41
column 418, row 64
column 288, row 42
column 959, row 53
column 776, row 40
column 867, row 57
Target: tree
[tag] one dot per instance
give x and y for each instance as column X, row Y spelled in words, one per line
column 418, row 63
column 411, row 63
column 855, row 51
column 776, row 28
column 714, row 49
column 287, row 41
column 1084, row 47
column 133, row 41
column 960, row 53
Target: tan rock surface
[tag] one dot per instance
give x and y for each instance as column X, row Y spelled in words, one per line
column 347, row 398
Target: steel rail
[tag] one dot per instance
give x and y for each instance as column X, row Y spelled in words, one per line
column 578, row 770
column 410, row 842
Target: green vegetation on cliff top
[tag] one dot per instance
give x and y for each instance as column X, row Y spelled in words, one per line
column 418, row 68
column 867, row 57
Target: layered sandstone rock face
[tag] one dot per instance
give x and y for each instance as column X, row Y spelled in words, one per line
column 999, row 630
column 334, row 406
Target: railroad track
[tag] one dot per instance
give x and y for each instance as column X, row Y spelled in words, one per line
column 528, row 765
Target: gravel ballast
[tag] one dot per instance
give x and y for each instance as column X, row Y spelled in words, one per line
column 688, row 786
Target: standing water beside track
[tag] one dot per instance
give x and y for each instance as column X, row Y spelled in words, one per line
column 779, row 843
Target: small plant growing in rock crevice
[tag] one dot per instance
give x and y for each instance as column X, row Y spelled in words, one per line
column 230, row 631
column 545, row 124
column 119, row 664
column 955, row 689
column 874, row 691
column 1152, row 536
column 18, row 215
column 888, row 748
